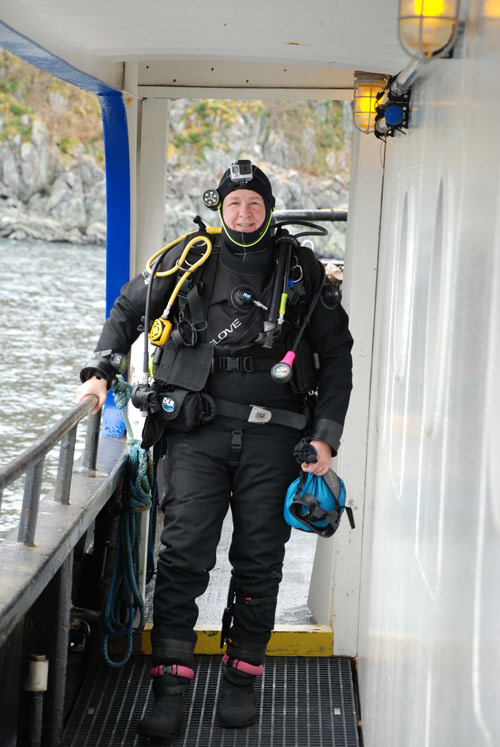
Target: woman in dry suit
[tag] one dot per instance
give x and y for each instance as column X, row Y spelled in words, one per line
column 229, row 415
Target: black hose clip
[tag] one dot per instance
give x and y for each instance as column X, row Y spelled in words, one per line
column 227, row 617
column 145, row 398
column 286, row 238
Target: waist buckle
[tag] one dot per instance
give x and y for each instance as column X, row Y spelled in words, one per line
column 225, row 363
column 259, row 415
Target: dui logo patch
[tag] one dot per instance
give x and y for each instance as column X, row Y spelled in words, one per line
column 169, row 404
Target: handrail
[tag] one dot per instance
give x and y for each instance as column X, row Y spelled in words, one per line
column 30, row 463
column 44, row 572
column 321, row 214
column 22, row 463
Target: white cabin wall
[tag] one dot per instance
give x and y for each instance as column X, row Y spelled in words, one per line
column 335, row 582
column 429, row 650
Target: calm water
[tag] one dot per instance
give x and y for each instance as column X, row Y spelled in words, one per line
column 51, row 311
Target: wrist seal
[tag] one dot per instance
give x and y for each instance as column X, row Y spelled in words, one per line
column 104, row 364
column 328, row 431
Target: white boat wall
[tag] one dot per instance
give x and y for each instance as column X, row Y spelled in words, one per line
column 429, row 652
column 412, row 592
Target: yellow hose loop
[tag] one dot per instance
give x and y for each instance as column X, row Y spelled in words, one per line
column 161, row 328
column 209, row 229
column 163, row 249
column 192, row 268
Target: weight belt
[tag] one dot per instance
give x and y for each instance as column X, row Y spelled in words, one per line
column 258, row 414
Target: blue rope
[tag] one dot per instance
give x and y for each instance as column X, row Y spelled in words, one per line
column 124, row 600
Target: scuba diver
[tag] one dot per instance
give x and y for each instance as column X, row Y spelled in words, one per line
column 252, row 353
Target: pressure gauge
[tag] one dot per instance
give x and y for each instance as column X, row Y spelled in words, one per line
column 281, row 372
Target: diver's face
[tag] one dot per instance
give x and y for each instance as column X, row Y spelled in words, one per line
column 243, row 210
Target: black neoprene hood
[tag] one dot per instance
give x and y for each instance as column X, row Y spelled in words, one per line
column 237, row 241
column 258, row 183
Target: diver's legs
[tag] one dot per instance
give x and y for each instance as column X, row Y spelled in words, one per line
column 195, row 498
column 195, row 501
column 260, row 531
column 256, row 554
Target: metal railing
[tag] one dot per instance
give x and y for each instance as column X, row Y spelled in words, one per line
column 43, row 570
column 321, row 214
column 31, row 462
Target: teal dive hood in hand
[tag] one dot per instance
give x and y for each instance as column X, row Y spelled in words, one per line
column 316, row 504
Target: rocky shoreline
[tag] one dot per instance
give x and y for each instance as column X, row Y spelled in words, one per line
column 48, row 197
column 42, row 197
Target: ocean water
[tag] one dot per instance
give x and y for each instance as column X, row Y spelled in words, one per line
column 52, row 306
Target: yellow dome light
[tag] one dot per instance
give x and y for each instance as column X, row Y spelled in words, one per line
column 491, row 8
column 427, row 27
column 366, row 88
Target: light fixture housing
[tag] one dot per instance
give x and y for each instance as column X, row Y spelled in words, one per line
column 428, row 28
column 393, row 111
column 366, row 89
column 491, row 9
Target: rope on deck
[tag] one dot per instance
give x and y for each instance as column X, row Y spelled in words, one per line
column 125, row 602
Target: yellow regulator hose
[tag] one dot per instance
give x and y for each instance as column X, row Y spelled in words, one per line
column 160, row 331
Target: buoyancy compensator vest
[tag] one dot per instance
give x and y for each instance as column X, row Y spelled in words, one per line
column 173, row 394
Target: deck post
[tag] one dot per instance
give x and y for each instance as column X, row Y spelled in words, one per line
column 58, row 657
column 336, row 578
column 148, row 149
column 114, row 121
column 31, row 503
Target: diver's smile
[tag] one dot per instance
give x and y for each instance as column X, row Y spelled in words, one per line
column 243, row 210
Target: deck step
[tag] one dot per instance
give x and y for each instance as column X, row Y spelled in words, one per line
column 302, row 702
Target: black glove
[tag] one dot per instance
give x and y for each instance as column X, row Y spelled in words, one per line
column 304, row 452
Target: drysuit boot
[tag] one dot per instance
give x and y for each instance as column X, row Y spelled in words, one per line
column 168, row 710
column 171, row 675
column 237, row 706
column 242, row 664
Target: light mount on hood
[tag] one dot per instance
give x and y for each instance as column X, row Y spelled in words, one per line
column 241, row 172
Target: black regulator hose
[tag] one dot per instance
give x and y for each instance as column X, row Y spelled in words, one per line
column 282, row 372
column 145, row 362
column 285, row 243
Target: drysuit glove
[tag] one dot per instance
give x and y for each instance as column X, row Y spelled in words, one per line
column 304, row 452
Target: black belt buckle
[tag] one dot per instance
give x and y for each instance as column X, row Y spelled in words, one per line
column 235, row 364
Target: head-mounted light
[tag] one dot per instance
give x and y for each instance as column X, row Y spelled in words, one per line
column 211, row 199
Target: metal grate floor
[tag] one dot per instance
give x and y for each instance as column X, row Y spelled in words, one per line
column 303, row 702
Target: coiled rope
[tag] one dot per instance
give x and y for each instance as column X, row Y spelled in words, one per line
column 124, row 602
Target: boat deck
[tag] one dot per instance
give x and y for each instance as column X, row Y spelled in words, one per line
column 302, row 700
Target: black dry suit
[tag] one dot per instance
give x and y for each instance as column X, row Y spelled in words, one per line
column 242, row 458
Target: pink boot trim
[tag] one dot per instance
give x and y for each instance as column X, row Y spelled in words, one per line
column 242, row 666
column 178, row 670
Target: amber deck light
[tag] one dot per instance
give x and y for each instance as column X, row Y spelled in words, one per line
column 366, row 88
column 427, row 27
column 491, row 9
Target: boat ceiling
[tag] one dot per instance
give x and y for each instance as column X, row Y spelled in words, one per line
column 277, row 46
